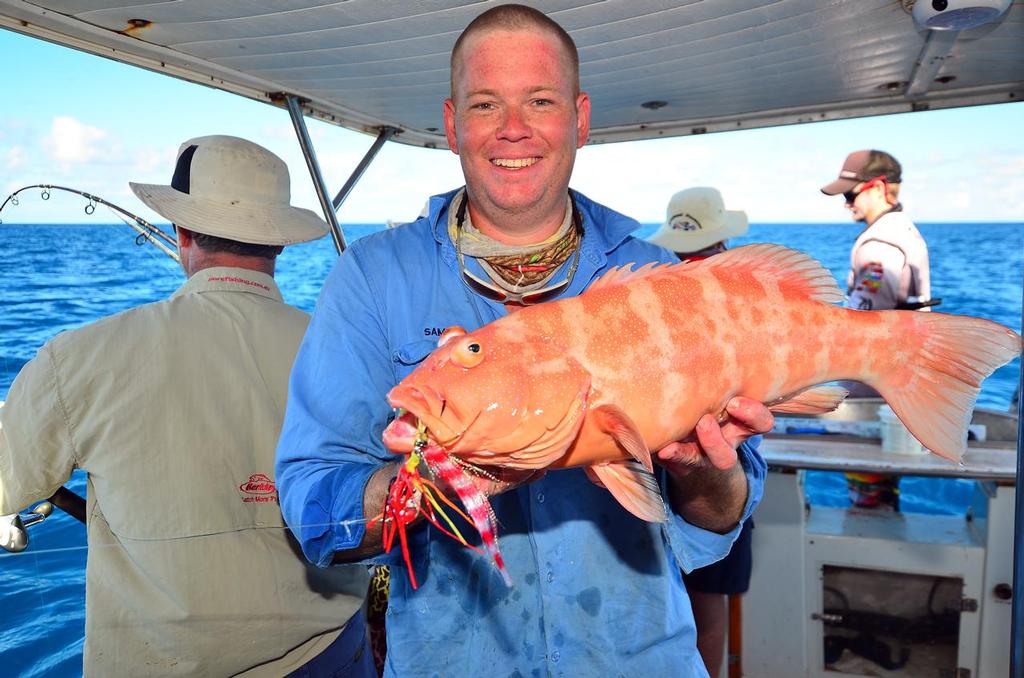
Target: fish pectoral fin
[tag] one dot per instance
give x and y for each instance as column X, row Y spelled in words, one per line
column 812, row 401
column 633, row 487
column 612, row 420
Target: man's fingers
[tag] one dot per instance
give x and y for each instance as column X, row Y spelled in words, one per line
column 679, row 458
column 680, row 452
column 751, row 413
column 677, row 452
column 718, row 450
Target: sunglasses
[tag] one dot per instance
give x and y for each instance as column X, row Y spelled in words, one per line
column 850, row 196
column 489, row 290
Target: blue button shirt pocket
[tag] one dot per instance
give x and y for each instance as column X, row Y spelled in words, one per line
column 409, row 356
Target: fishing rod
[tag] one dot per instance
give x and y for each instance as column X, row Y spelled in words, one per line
column 146, row 230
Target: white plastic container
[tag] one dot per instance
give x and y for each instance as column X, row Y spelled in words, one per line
column 895, row 436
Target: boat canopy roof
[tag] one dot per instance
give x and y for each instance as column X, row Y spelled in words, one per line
column 653, row 68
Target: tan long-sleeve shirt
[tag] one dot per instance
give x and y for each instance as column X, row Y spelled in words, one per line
column 174, row 409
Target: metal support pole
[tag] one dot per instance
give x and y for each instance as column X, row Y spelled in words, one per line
column 937, row 47
column 295, row 111
column 385, row 134
column 1017, row 608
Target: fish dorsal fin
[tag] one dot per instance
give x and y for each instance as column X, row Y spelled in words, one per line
column 796, row 273
column 620, row 274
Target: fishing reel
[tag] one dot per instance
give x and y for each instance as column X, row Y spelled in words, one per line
column 14, row 527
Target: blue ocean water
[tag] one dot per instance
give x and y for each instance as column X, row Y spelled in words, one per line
column 60, row 276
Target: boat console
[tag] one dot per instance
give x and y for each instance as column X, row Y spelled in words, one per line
column 860, row 592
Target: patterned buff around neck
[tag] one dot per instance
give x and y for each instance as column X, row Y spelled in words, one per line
column 516, row 268
column 526, row 270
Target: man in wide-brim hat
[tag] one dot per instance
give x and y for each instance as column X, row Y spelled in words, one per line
column 697, row 224
column 174, row 409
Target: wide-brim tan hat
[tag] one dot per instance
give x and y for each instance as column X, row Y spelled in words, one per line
column 232, row 188
column 696, row 218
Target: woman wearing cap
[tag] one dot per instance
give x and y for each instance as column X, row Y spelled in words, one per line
column 697, row 226
column 889, row 261
column 888, row 269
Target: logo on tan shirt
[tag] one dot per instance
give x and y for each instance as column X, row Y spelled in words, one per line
column 236, row 279
column 259, row 488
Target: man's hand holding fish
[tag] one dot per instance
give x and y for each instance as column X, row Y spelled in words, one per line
column 707, row 459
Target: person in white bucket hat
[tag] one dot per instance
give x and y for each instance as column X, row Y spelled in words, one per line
column 697, row 223
column 173, row 409
column 697, row 226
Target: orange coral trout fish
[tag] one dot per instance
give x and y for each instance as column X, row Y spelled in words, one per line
column 600, row 380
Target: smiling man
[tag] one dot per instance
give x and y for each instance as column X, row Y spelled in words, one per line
column 515, row 118
column 597, row 591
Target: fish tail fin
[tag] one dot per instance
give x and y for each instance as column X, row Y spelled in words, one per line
column 933, row 392
column 473, row 500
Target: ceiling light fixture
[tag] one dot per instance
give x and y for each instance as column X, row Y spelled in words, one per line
column 956, row 15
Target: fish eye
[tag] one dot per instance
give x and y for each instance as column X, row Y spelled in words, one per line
column 469, row 354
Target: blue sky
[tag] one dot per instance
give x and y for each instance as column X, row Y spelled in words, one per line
column 79, row 120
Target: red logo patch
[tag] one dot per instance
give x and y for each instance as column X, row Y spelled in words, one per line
column 259, row 489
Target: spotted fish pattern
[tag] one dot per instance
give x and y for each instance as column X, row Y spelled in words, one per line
column 599, row 380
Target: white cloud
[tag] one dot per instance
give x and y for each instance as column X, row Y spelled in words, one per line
column 71, row 142
column 279, row 131
column 14, row 158
column 960, row 200
column 152, row 165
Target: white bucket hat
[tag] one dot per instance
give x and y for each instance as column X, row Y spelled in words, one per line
column 696, row 218
column 235, row 189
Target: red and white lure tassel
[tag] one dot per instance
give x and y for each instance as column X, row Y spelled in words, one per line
column 473, row 499
column 411, row 494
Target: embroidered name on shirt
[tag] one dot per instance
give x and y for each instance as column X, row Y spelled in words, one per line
column 231, row 278
column 433, row 331
column 258, row 489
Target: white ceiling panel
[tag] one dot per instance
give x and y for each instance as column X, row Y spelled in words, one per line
column 713, row 65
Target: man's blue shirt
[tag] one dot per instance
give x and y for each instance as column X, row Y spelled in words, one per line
column 596, row 591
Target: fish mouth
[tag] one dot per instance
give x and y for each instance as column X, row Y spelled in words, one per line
column 522, row 437
column 420, row 404
column 400, row 434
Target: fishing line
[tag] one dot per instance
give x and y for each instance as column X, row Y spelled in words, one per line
column 346, row 524
column 140, row 239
